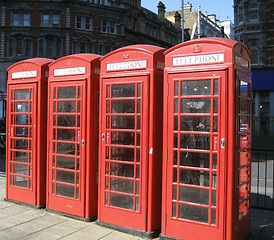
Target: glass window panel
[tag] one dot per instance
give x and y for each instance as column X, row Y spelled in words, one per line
column 137, row 187
column 138, row 122
column 78, row 106
column 78, row 150
column 20, row 182
column 66, row 92
column 193, row 177
column 66, row 134
column 214, row 180
column 122, row 170
column 123, row 138
column 138, row 139
column 123, row 90
column 216, row 87
column 123, row 106
column 137, row 207
column 54, row 107
column 215, row 124
column 108, row 106
column 137, row 155
column 215, row 105
column 22, row 119
column 108, row 91
column 106, row 198
column 65, row 190
column 66, row 120
column 193, row 213
column 107, row 168
column 214, row 156
column 214, row 198
column 213, row 216
column 66, row 148
column 175, row 175
column 175, row 123
column 77, row 164
column 77, row 192
column 193, row 88
column 194, row 195
column 195, row 123
column 107, row 183
column 244, row 123
column 244, row 89
column 122, row 154
column 176, row 88
column 79, row 92
column 193, row 141
column 21, row 107
column 21, row 144
column 20, row 157
column 54, row 93
column 77, row 178
column 195, row 159
column 175, row 140
column 196, row 105
column 123, row 122
column 53, row 161
column 244, row 106
column 121, row 201
column 174, row 192
column 53, row 188
column 139, row 90
column 65, row 162
column 66, row 106
column 138, row 106
column 21, row 169
column 53, row 175
column 64, row 176
column 22, row 94
column 137, row 171
column 121, row 185
column 107, row 122
column 175, row 158
column 176, row 105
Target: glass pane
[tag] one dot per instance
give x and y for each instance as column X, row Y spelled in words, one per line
column 194, row 195
column 244, row 89
column 193, row 177
column 195, row 159
column 244, row 123
column 21, row 144
column 193, row 213
column 122, row 170
column 65, row 162
column 194, row 88
column 66, row 148
column 139, row 90
column 67, row 93
column 176, row 105
column 123, row 138
column 66, row 106
column 175, row 158
column 123, row 122
column 65, row 190
column 21, row 107
column 122, row 154
column 21, row 119
column 175, row 123
column 174, row 194
column 107, row 122
column 244, row 106
column 66, row 120
column 214, row 198
column 138, row 106
column 121, row 185
column 64, row 176
column 175, row 140
column 191, row 141
column 213, row 216
column 137, row 208
column 20, row 157
column 123, row 90
column 214, row 161
column 121, row 201
column 22, row 94
column 215, row 110
column 108, row 91
column 66, row 134
column 20, row 182
column 215, row 124
column 21, row 169
column 197, row 105
column 216, row 87
column 137, row 188
column 79, row 92
column 123, row 106
column 176, row 88
column 195, row 123
column 174, row 210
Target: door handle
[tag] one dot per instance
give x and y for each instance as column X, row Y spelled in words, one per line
column 83, row 143
column 222, row 143
column 103, row 137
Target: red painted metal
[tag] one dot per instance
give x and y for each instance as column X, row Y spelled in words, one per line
column 131, row 138
column 73, row 135
column 207, row 116
column 26, row 131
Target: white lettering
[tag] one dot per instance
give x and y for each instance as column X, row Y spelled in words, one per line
column 127, row 65
column 69, row 71
column 198, row 59
column 27, row 74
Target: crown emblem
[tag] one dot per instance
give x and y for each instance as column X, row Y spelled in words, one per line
column 197, row 49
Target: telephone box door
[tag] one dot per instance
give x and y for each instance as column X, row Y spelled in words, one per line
column 66, row 185
column 124, row 152
column 21, row 143
column 195, row 195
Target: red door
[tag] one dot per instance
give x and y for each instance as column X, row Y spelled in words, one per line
column 21, row 143
column 123, row 168
column 66, row 161
column 195, row 199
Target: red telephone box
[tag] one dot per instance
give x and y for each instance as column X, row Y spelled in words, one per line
column 73, row 135
column 131, row 83
column 26, row 131
column 207, row 116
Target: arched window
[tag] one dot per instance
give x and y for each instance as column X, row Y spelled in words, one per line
column 50, row 47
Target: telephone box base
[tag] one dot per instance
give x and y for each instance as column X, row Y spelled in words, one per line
column 91, row 219
column 134, row 232
column 24, row 204
column 163, row 237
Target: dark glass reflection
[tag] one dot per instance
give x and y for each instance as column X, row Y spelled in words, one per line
column 192, row 88
column 194, row 159
column 123, row 90
column 194, row 177
column 195, row 123
column 193, row 141
column 196, row 105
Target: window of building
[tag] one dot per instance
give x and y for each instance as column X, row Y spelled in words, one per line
column 50, row 47
column 128, row 22
column 240, row 14
column 19, row 47
column 109, row 26
column 20, row 19
column 50, row 20
column 84, row 23
column 82, row 47
column 135, row 24
column 253, row 11
column 255, row 56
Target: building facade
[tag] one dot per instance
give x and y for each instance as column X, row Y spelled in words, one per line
column 198, row 24
column 254, row 26
column 55, row 28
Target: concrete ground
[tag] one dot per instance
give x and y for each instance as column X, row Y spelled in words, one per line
column 22, row 222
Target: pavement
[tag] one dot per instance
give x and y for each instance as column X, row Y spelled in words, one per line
column 23, row 222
